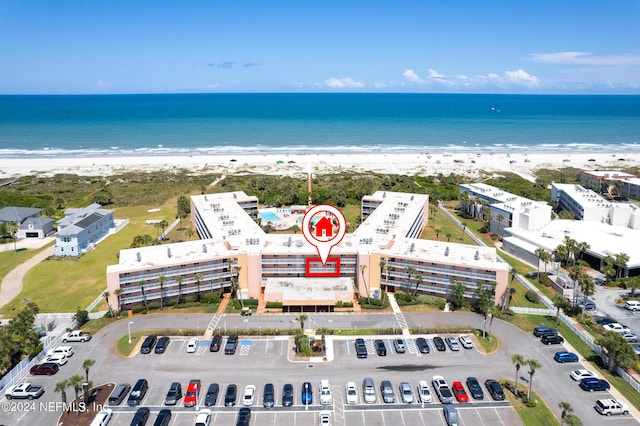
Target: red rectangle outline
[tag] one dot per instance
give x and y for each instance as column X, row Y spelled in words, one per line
column 335, row 260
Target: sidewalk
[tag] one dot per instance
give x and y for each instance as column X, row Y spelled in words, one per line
column 12, row 284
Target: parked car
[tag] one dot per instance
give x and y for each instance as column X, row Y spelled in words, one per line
column 609, row 407
column 452, row 343
column 162, row 344
column 192, row 393
column 325, row 392
column 474, row 388
column 564, row 356
column 422, row 345
column 495, row 389
column 441, row 387
column 632, row 305
column 606, row 320
column 230, row 395
column 203, row 418
column 552, row 339
column 212, row 395
column 459, row 392
column 589, row 306
column 163, row 418
column 307, row 394
column 398, row 344
column 46, row 368
column 102, row 418
column 137, row 393
column 406, row 393
column 423, row 391
column 361, row 348
column 615, row 326
column 231, row 345
column 287, row 395
column 173, row 394
column 580, row 374
column 192, row 345
column 119, row 394
column 141, row 417
column 629, row 336
column 386, row 390
column 439, row 343
column 541, row 330
column 57, row 358
column 148, row 344
column 381, row 348
column 216, row 341
column 249, row 395
column 450, row 415
column 244, row 417
column 368, row 390
column 268, row 396
column 466, row 341
column 351, row 393
column 591, row 384
column 66, row 350
column 324, row 418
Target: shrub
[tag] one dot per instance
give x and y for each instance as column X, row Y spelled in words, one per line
column 373, row 303
column 154, row 305
column 483, row 229
column 82, row 316
column 532, row 296
column 274, row 305
column 545, row 280
column 251, row 302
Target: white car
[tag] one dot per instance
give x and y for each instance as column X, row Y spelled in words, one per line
column 616, row 326
column 102, row 418
column 351, row 391
column 203, row 418
column 423, row 391
column 249, row 395
column 580, row 374
column 465, row 341
column 62, row 349
column 324, row 418
column 192, row 345
column 57, row 358
column 636, row 349
column 325, row 392
column 629, row 336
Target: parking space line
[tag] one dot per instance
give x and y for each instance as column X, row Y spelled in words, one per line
column 390, row 344
column 338, row 405
column 498, row 414
column 369, row 345
column 412, row 347
column 402, row 417
column 245, row 346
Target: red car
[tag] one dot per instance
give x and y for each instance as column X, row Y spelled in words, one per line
column 459, row 392
column 46, row 368
column 193, row 391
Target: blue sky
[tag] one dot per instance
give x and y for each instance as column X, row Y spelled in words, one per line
column 461, row 46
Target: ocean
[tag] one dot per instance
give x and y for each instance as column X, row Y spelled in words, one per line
column 306, row 123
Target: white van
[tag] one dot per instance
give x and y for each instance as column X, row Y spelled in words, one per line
column 369, row 390
column 632, row 305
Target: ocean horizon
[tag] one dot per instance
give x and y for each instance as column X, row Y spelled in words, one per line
column 308, row 123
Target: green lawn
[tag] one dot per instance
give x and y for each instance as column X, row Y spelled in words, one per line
column 446, row 226
column 531, row 416
column 10, row 259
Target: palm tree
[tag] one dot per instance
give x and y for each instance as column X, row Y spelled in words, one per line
column 383, row 267
column 198, row 277
column 620, row 260
column 61, row 387
column 106, row 295
column 362, row 269
column 514, row 272
column 588, row 288
column 419, row 279
column 189, row 233
column 179, row 280
column 118, row 292
column 163, row 224
column 546, row 258
column 302, row 318
column 517, row 360
column 76, row 381
column 448, row 235
column 560, row 302
column 162, row 279
column 410, row 271
column 539, row 254
column 237, row 270
column 583, row 246
column 533, row 365
column 144, row 296
column 500, row 218
column 566, row 410
column 13, row 229
column 87, row 364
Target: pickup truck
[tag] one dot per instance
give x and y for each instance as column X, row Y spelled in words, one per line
column 24, row 390
column 76, row 336
column 442, row 389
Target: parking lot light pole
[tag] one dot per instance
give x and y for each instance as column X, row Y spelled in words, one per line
column 130, row 322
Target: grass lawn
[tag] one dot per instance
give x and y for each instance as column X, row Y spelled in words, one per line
column 531, row 416
column 10, row 259
column 446, row 226
column 68, row 285
column 489, row 343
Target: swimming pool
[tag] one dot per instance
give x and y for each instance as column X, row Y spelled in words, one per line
column 269, row 216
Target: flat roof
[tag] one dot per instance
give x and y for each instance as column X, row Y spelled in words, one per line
column 607, row 174
column 394, row 216
column 504, row 200
column 304, row 291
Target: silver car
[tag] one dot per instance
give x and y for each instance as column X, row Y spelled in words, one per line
column 406, row 393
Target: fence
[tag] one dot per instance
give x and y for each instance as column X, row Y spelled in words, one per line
column 532, row 311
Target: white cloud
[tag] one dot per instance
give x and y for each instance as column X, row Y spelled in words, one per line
column 520, row 77
column 411, row 76
column 585, row 58
column 343, row 83
column 512, row 78
column 433, row 74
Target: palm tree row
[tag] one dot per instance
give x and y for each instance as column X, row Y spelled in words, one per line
column 76, row 381
column 519, row 361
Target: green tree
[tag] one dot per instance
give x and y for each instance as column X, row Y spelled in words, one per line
column 86, row 365
column 533, row 364
column 106, row 295
column 76, row 382
column 366, row 287
column 142, row 283
column 617, row 350
column 162, row 279
column 163, row 224
column 13, row 229
column 198, row 277
column 514, row 273
column 518, row 361
column 572, row 420
column 183, row 208
column 566, row 410
column 61, row 387
column 559, row 302
column 583, row 247
column 483, row 303
column 457, row 295
column 588, row 288
column 236, row 284
column 500, row 218
column 179, row 280
column 118, row 292
column 419, row 278
column 302, row 318
column 384, row 267
column 410, row 271
column 620, row 260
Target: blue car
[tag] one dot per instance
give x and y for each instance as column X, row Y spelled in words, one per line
column 307, row 393
column 591, row 384
column 564, row 356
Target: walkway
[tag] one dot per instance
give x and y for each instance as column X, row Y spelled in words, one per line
column 12, row 284
column 402, row 322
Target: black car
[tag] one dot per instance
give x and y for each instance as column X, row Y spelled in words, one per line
column 361, row 348
column 552, row 339
column 212, row 395
column 173, row 394
column 163, row 418
column 268, row 396
column 230, row 395
column 422, row 345
column 148, row 344
column 381, row 348
column 244, row 416
column 474, row 388
column 231, row 345
column 542, row 330
column 287, row 395
column 141, row 417
column 137, row 393
column 162, row 344
column 216, row 341
column 605, row 321
column 495, row 389
column 591, row 384
column 439, row 344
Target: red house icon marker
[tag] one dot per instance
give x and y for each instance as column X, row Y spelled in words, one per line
column 324, row 227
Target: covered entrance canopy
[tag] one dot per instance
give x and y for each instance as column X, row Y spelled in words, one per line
column 308, row 294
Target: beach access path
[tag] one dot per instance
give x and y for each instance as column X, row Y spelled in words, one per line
column 12, row 283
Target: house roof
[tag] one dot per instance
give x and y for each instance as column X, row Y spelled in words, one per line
column 38, row 221
column 17, row 214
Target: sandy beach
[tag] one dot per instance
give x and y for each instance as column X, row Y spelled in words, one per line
column 467, row 164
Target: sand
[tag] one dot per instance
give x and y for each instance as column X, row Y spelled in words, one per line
column 467, row 164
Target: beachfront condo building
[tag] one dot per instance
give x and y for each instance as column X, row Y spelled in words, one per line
column 81, row 229
column 383, row 253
